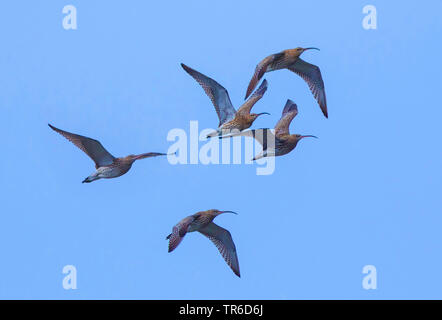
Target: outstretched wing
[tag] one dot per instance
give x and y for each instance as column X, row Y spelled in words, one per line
column 312, row 75
column 178, row 232
column 217, row 94
column 223, row 241
column 91, row 147
column 254, row 98
column 288, row 113
column 260, row 69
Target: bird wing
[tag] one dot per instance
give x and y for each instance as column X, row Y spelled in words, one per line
column 91, row 147
column 312, row 75
column 254, row 98
column 223, row 241
column 178, row 232
column 260, row 69
column 288, row 113
column 217, row 94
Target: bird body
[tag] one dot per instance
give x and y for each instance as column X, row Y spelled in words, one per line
column 229, row 118
column 240, row 123
column 285, row 144
column 290, row 59
column 200, row 220
column 279, row 141
column 119, row 167
column 203, row 222
column 281, row 60
column 106, row 165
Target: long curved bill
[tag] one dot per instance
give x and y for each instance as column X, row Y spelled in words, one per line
column 311, row 48
column 228, row 212
column 309, row 136
column 148, row 155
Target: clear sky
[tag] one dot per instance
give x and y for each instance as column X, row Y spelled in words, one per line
column 367, row 192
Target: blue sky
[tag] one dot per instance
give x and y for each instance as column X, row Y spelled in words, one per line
column 367, row 192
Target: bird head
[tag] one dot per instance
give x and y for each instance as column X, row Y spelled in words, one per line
column 132, row 157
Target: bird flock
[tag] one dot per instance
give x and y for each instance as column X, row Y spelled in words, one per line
column 232, row 123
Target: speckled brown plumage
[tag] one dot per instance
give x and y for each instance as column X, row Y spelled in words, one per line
column 290, row 59
column 106, row 164
column 229, row 118
column 279, row 141
column 203, row 222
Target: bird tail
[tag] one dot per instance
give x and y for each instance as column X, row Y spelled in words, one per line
column 264, row 154
column 213, row 134
column 90, row 179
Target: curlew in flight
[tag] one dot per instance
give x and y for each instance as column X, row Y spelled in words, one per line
column 229, row 118
column 203, row 222
column 106, row 164
column 279, row 142
column 290, row 59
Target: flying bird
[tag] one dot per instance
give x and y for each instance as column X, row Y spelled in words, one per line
column 106, row 164
column 279, row 141
column 290, row 59
column 203, row 222
column 229, row 118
